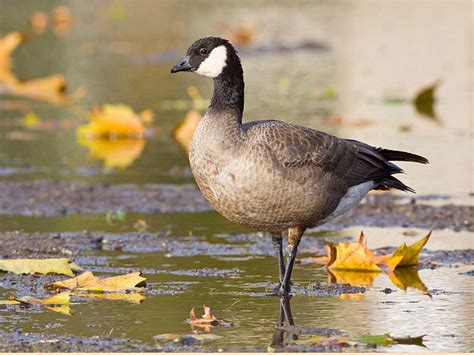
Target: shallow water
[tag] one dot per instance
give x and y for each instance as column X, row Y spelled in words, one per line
column 370, row 61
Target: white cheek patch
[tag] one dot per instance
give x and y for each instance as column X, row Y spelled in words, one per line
column 213, row 65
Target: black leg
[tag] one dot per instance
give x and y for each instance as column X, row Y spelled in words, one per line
column 294, row 238
column 278, row 246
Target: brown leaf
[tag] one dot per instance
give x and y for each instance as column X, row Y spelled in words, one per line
column 207, row 320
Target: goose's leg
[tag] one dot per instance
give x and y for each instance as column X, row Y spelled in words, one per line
column 277, row 242
column 294, row 238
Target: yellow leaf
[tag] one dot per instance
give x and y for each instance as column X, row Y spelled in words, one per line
column 184, row 131
column 39, row 266
column 352, row 256
column 407, row 255
column 8, row 44
column 57, row 303
column 89, row 282
column 118, row 153
column 58, row 299
column 113, row 121
column 10, row 302
column 51, row 88
column 64, row 309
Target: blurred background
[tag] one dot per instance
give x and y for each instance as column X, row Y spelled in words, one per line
column 350, row 68
column 394, row 73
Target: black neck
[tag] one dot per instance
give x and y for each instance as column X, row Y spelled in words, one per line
column 229, row 88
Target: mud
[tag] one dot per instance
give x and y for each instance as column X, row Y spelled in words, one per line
column 72, row 245
column 35, row 342
column 54, row 198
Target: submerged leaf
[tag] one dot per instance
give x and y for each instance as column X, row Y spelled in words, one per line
column 39, row 266
column 87, row 281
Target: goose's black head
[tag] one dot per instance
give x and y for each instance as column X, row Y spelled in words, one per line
column 209, row 56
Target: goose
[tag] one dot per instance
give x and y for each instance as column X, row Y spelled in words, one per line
column 271, row 175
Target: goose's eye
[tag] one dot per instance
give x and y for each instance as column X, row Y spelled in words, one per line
column 203, row 51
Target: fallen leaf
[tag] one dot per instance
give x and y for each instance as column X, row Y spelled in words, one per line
column 207, row 320
column 406, row 255
column 351, row 256
column 51, row 88
column 357, row 257
column 114, row 122
column 184, row 131
column 38, row 22
column 8, row 44
column 425, row 99
column 39, row 266
column 87, row 281
column 118, row 153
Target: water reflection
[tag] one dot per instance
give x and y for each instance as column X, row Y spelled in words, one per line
column 285, row 318
column 403, row 278
column 118, row 153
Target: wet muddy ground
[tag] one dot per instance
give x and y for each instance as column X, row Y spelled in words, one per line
column 56, row 198
column 223, row 266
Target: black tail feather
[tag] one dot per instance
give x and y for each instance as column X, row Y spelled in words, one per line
column 391, row 182
column 397, row 155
